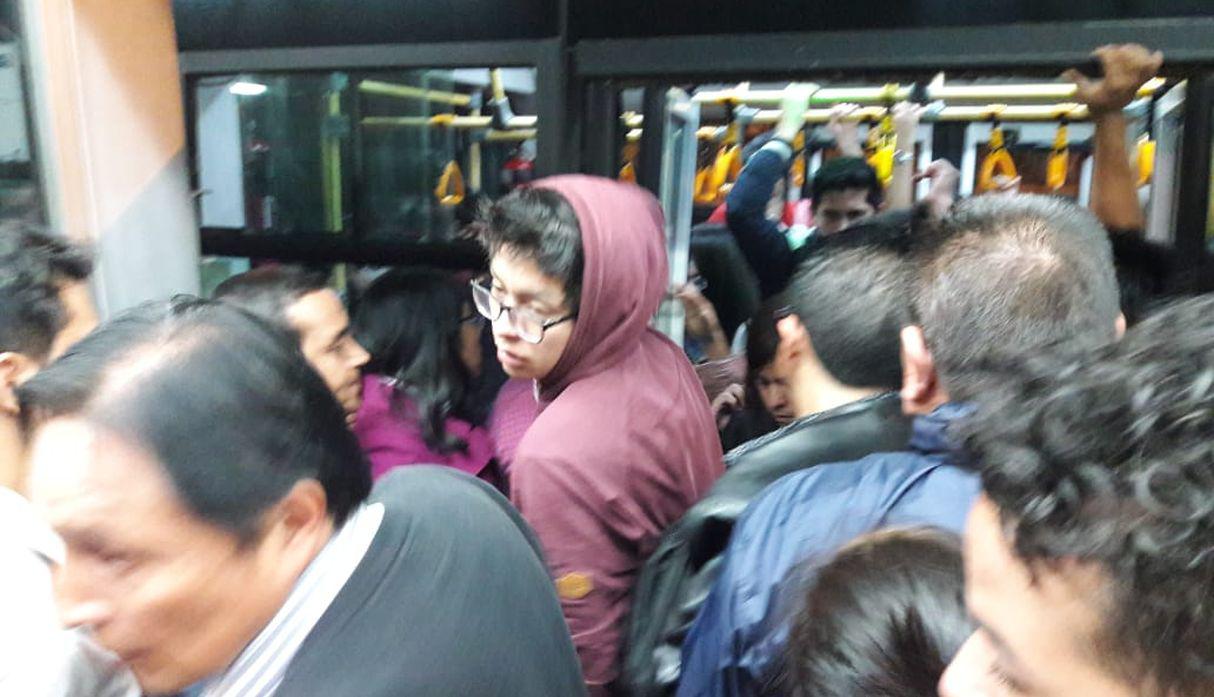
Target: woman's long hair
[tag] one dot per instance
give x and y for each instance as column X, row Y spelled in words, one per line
column 409, row 321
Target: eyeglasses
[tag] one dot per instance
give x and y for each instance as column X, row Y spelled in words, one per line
column 529, row 325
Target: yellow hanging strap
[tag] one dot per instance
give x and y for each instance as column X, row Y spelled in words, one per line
column 1060, row 159
column 997, row 162
column 714, row 181
column 628, row 173
column 798, row 162
column 1144, row 154
column 882, row 143
column 450, row 191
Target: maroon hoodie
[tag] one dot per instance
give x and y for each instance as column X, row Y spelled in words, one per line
column 625, row 441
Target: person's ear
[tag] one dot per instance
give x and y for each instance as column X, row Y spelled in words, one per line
column 1119, row 326
column 794, row 344
column 298, row 526
column 15, row 368
column 921, row 390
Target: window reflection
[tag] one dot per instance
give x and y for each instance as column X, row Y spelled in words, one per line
column 20, row 195
column 383, row 154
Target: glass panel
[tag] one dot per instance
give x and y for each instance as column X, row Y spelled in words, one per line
column 20, row 194
column 385, row 154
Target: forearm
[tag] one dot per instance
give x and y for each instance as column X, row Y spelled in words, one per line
column 759, row 239
column 900, row 193
column 1114, row 193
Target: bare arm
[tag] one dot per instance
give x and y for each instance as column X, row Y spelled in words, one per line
column 1114, row 197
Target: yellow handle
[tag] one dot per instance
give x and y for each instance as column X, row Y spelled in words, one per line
column 997, row 161
column 712, row 183
column 1145, row 154
column 1060, row 156
column 628, row 173
column 450, row 191
column 882, row 143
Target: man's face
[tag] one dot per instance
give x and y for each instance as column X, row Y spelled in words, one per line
column 773, row 390
column 1037, row 629
column 324, row 336
column 836, row 210
column 175, row 597
column 517, row 282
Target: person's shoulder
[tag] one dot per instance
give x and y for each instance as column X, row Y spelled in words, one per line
column 430, row 487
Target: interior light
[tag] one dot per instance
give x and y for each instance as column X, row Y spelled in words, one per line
column 247, row 89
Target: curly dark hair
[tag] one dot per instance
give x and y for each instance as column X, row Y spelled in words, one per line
column 34, row 266
column 1109, row 458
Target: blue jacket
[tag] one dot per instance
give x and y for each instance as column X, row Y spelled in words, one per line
column 761, row 239
column 736, row 645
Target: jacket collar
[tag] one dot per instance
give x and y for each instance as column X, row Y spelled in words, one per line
column 930, row 433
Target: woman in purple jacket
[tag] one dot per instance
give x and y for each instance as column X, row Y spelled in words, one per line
column 423, row 337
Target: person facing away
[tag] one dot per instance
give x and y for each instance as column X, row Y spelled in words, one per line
column 44, row 308
column 223, row 536
column 882, row 618
column 837, row 352
column 301, row 302
column 624, row 442
column 1087, row 559
column 424, row 339
column 998, row 278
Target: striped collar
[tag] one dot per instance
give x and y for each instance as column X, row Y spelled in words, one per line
column 259, row 669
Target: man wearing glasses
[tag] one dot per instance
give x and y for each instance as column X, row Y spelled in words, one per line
column 625, row 441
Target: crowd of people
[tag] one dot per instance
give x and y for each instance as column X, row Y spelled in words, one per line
column 967, row 454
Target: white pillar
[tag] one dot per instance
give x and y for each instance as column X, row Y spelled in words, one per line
column 110, row 128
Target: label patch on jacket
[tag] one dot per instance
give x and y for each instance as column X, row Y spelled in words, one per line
column 574, row 586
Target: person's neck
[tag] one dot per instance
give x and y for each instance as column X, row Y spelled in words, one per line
column 12, row 455
column 814, row 390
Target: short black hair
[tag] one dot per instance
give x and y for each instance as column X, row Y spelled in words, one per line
column 1107, row 458
column 225, row 402
column 539, row 224
column 34, row 266
column 1004, row 276
column 842, row 173
column 851, row 296
column 270, row 291
column 881, row 619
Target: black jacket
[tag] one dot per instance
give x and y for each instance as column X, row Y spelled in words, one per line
column 676, row 579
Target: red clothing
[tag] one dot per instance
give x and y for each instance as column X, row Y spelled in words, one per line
column 795, row 213
column 514, row 411
column 625, row 441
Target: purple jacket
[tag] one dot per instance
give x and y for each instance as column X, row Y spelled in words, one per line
column 391, row 440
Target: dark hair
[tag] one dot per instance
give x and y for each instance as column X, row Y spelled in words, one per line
column 409, row 321
column 1001, row 277
column 851, row 297
column 843, row 173
column 732, row 288
column 762, row 336
column 34, row 266
column 1107, row 458
column 539, row 224
column 225, row 402
column 881, row 619
column 270, row 291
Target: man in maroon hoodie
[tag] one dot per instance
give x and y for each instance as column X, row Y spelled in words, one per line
column 625, row 441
